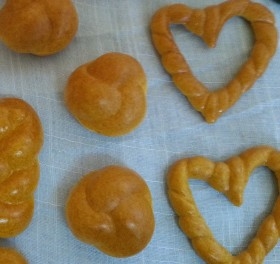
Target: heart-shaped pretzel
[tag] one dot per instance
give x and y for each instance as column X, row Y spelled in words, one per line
column 207, row 24
column 230, row 178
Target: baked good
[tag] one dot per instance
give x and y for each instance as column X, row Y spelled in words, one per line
column 11, row 256
column 21, row 138
column 230, row 178
column 40, row 27
column 111, row 209
column 207, row 24
column 108, row 95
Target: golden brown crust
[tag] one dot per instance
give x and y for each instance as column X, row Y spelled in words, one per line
column 21, row 138
column 41, row 27
column 11, row 256
column 108, row 95
column 111, row 209
column 207, row 24
column 230, row 178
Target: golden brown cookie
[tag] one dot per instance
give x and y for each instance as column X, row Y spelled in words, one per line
column 230, row 178
column 40, row 27
column 111, row 209
column 108, row 95
column 207, row 24
column 21, row 138
column 11, row 256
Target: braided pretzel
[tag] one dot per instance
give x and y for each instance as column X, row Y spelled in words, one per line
column 21, row 138
column 207, row 24
column 230, row 178
column 10, row 256
column 40, row 27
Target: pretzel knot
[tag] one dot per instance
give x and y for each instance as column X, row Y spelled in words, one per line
column 21, row 138
column 230, row 178
column 111, row 209
column 207, row 24
column 110, row 103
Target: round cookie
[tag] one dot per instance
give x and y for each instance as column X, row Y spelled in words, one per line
column 41, row 27
column 108, row 95
column 111, row 209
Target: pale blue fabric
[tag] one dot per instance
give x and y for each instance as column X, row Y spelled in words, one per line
column 171, row 130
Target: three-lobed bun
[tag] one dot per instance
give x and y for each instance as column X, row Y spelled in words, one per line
column 111, row 209
column 41, row 27
column 108, row 95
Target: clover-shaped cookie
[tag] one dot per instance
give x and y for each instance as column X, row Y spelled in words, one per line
column 230, row 178
column 21, row 138
column 207, row 24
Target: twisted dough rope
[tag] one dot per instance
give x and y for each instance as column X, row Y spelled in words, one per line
column 230, row 178
column 207, row 24
column 21, row 138
column 10, row 256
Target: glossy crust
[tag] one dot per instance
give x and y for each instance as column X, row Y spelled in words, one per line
column 40, row 27
column 108, row 95
column 111, row 209
column 10, row 256
column 230, row 178
column 207, row 23
column 21, row 138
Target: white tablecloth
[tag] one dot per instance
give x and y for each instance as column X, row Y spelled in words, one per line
column 171, row 130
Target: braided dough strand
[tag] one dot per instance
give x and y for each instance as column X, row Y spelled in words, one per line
column 207, row 24
column 21, row 138
column 230, row 178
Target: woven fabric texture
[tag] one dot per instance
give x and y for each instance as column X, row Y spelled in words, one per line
column 171, row 130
